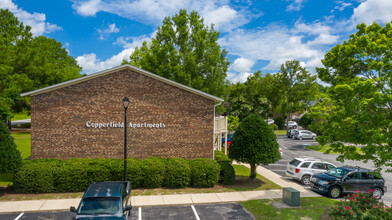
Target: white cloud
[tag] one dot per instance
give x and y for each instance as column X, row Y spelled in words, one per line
column 35, row 20
column 295, row 6
column 91, row 64
column 238, row 77
column 152, row 12
column 277, row 44
column 342, row 5
column 132, row 42
column 106, row 32
column 242, row 64
column 373, row 10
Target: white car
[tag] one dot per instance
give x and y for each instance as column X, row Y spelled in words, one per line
column 291, row 125
column 270, row 121
column 304, row 134
column 303, row 168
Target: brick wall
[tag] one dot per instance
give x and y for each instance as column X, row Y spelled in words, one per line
column 59, row 119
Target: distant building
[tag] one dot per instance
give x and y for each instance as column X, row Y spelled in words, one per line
column 85, row 117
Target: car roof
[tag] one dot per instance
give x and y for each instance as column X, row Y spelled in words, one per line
column 104, row 189
column 307, row 159
column 351, row 168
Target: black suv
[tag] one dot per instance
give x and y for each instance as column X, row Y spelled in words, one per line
column 343, row 180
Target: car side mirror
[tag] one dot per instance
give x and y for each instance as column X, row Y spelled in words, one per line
column 128, row 208
column 72, row 209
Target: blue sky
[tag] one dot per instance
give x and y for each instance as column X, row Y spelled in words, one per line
column 259, row 35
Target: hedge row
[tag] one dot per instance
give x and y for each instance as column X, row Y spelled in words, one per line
column 75, row 175
column 227, row 173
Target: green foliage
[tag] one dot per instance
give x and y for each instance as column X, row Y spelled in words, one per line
column 186, row 51
column 233, row 122
column 28, row 63
column 227, row 172
column 274, row 127
column 299, row 86
column 305, row 121
column 178, row 173
column 11, row 159
column 204, row 172
column 279, row 121
column 254, row 142
column 259, row 95
column 75, row 175
column 361, row 206
column 358, row 107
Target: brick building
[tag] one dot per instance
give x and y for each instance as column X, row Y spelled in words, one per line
column 85, row 117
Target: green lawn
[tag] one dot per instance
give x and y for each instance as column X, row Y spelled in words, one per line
column 23, row 141
column 6, row 179
column 324, row 148
column 21, row 116
column 312, row 208
column 280, row 132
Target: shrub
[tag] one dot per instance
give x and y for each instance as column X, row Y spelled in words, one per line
column 153, row 172
column 280, row 122
column 274, row 127
column 178, row 173
column 10, row 157
column 134, row 172
column 361, row 206
column 204, row 172
column 227, row 173
column 221, row 157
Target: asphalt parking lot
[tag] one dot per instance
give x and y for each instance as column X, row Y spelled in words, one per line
column 227, row 211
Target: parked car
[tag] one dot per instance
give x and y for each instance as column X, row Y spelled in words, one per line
column 304, row 134
column 343, row 180
column 291, row 125
column 105, row 200
column 229, row 138
column 270, row 121
column 303, row 168
column 291, row 132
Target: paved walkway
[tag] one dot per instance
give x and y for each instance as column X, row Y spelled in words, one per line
column 162, row 200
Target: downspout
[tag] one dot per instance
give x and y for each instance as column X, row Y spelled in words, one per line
column 213, row 132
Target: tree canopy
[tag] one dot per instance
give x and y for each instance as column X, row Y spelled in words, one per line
column 358, row 110
column 28, row 63
column 10, row 156
column 186, row 51
column 254, row 142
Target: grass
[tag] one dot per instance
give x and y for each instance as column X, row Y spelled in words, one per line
column 6, row 179
column 280, row 132
column 242, row 183
column 20, row 116
column 324, row 149
column 312, row 208
column 23, row 141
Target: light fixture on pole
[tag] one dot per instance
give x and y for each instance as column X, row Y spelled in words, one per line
column 125, row 103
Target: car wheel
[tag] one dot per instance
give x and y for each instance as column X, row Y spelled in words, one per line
column 300, row 137
column 334, row 192
column 305, row 179
column 377, row 193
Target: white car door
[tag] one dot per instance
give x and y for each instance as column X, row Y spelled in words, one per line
column 318, row 167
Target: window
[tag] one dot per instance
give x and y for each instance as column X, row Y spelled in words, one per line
column 355, row 176
column 319, row 166
column 295, row 162
column 305, row 165
column 329, row 166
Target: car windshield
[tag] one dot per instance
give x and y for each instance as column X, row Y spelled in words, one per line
column 96, row 205
column 337, row 172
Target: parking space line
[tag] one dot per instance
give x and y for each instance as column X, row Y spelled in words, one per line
column 20, row 215
column 140, row 213
column 194, row 211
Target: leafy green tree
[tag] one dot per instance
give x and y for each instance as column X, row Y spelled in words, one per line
column 299, row 86
column 358, row 110
column 233, row 122
column 254, row 142
column 305, row 121
column 28, row 63
column 10, row 156
column 186, row 51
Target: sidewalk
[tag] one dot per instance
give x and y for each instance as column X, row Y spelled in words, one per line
column 163, row 200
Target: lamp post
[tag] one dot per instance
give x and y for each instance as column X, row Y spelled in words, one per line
column 125, row 103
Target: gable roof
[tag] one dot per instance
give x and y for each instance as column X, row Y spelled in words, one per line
column 116, row 69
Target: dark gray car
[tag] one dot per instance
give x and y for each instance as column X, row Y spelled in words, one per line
column 343, row 180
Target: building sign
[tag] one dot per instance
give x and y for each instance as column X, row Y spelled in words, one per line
column 90, row 124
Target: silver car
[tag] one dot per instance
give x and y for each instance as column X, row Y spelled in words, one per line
column 303, row 168
column 304, row 134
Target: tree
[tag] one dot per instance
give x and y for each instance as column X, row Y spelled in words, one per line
column 254, row 142
column 305, row 121
column 299, row 86
column 28, row 63
column 10, row 156
column 358, row 110
column 186, row 51
column 233, row 122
